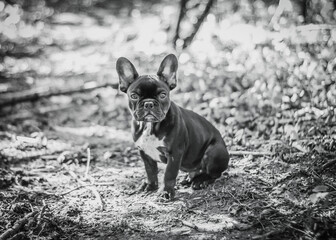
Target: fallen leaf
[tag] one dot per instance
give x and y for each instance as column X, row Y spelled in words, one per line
column 320, row 188
column 180, row 231
column 315, row 197
column 239, row 135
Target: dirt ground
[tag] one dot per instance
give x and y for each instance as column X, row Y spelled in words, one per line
column 69, row 168
column 262, row 197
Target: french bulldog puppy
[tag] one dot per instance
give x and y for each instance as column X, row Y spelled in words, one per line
column 165, row 132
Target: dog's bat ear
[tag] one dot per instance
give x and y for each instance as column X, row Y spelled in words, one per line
column 168, row 70
column 127, row 73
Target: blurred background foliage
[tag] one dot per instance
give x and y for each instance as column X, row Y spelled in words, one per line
column 261, row 67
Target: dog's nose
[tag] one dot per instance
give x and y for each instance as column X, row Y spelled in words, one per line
column 149, row 105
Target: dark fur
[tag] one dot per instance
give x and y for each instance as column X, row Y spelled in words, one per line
column 191, row 143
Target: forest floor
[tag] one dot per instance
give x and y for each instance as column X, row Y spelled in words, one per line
column 69, row 168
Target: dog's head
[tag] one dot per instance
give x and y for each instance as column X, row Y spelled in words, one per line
column 148, row 95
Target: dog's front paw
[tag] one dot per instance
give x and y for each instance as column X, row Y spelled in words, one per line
column 199, row 185
column 148, row 187
column 166, row 194
column 186, row 181
column 201, row 181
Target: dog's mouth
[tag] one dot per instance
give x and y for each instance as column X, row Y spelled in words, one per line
column 149, row 117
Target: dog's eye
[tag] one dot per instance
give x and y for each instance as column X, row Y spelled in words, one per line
column 163, row 95
column 134, row 96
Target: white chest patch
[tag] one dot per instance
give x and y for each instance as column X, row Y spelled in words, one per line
column 148, row 143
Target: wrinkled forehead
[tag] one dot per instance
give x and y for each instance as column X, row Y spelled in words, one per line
column 148, row 84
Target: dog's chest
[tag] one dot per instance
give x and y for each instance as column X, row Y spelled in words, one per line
column 150, row 144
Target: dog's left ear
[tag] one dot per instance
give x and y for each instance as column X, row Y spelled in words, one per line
column 168, row 70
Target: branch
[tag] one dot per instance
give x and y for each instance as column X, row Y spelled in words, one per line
column 13, row 152
column 197, row 25
column 29, row 114
column 315, row 27
column 45, row 92
column 183, row 10
column 240, row 153
column 18, row 225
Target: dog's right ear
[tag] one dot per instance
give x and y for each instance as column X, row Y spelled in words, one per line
column 127, row 73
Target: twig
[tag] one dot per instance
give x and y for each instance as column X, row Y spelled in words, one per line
column 45, row 92
column 218, row 227
column 299, row 230
column 266, row 235
column 18, row 224
column 30, row 140
column 279, row 10
column 299, row 147
column 88, row 163
column 87, row 185
column 154, row 205
column 191, row 225
column 239, row 202
column 240, row 153
column 42, row 228
column 329, row 163
column 47, row 157
column 74, row 189
column 40, row 217
column 26, row 189
column 42, row 211
column 91, row 188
